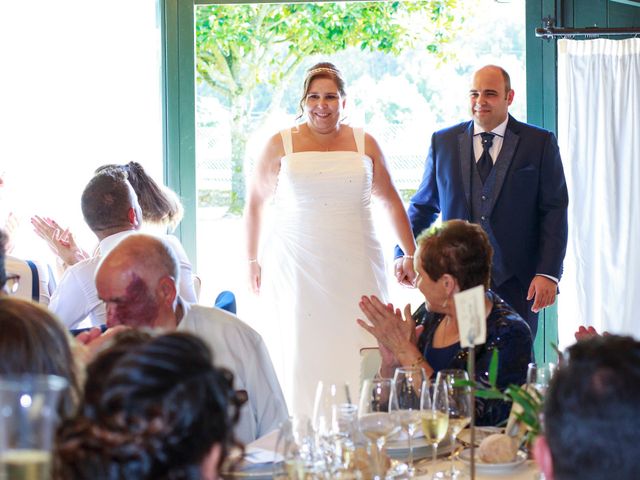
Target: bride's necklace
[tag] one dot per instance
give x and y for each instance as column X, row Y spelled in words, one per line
column 324, row 143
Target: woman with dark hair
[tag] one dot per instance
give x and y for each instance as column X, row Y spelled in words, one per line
column 33, row 341
column 160, row 205
column 160, row 411
column 161, row 209
column 450, row 259
column 323, row 251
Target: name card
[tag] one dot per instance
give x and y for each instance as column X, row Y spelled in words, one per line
column 470, row 311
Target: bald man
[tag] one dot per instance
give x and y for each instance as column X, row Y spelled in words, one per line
column 506, row 176
column 137, row 282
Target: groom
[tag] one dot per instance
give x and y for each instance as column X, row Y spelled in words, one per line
column 508, row 177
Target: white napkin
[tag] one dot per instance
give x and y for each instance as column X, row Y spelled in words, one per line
column 263, row 449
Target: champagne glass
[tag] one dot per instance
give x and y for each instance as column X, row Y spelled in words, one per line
column 459, row 398
column 408, row 384
column 435, row 416
column 334, row 421
column 374, row 420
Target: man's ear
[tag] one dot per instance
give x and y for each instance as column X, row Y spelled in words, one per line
column 542, row 454
column 133, row 217
column 510, row 95
column 167, row 291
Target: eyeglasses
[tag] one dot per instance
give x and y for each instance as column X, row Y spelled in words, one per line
column 12, row 283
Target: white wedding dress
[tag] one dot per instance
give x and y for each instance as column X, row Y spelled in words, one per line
column 321, row 257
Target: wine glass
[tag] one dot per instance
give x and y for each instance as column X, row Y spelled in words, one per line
column 435, row 416
column 374, row 420
column 459, row 398
column 408, row 384
column 334, row 421
column 296, row 444
column 539, row 375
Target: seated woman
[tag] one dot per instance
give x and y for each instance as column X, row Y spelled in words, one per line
column 32, row 340
column 154, row 408
column 450, row 259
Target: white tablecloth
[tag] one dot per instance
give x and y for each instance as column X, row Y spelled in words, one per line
column 526, row 471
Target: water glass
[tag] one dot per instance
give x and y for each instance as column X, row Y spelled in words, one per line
column 374, row 420
column 296, row 444
column 539, row 375
column 28, row 418
column 408, row 384
column 335, row 422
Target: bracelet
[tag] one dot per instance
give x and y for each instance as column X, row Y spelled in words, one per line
column 418, row 361
column 408, row 256
column 253, row 260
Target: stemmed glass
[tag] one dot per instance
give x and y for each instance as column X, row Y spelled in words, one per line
column 459, row 398
column 296, row 444
column 539, row 375
column 408, row 384
column 334, row 421
column 435, row 416
column 374, row 420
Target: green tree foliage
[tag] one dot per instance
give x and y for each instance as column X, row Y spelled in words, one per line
column 242, row 48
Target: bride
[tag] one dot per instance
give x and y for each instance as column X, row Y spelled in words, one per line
column 322, row 254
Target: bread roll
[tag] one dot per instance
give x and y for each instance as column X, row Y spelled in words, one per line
column 498, row 448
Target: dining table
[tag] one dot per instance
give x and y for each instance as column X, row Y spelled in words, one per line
column 259, row 455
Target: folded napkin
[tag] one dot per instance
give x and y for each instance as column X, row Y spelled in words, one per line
column 263, row 449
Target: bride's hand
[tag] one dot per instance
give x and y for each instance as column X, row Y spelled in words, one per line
column 405, row 274
column 255, row 276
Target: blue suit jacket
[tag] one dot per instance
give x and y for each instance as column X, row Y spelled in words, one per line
column 529, row 211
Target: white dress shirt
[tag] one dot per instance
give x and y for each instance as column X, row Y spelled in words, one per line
column 75, row 300
column 496, row 146
column 239, row 348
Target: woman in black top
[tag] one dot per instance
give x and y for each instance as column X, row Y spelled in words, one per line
column 450, row 259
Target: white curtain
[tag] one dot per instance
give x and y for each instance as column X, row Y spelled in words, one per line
column 599, row 135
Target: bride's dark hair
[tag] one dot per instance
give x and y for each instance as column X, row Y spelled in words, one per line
column 156, row 414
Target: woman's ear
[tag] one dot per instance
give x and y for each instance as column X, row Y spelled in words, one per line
column 210, row 463
column 450, row 284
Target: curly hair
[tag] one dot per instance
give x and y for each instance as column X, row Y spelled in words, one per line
column 159, row 204
column 32, row 340
column 156, row 415
column 459, row 248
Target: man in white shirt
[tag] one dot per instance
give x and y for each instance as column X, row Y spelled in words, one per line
column 110, row 208
column 137, row 282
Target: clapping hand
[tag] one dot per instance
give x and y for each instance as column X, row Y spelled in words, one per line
column 60, row 240
column 396, row 334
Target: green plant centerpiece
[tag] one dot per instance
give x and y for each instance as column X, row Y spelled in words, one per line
column 524, row 422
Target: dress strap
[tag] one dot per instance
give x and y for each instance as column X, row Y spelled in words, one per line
column 358, row 134
column 287, row 142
